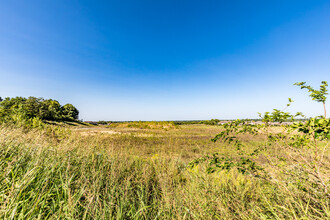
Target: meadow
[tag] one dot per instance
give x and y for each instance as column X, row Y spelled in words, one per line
column 159, row 170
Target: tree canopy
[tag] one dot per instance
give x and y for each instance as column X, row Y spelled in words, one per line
column 32, row 107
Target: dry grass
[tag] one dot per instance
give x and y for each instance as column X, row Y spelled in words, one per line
column 140, row 172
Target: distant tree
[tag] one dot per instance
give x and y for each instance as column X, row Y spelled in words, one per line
column 32, row 106
column 9, row 104
column 69, row 112
column 317, row 95
column 50, row 110
column 0, row 99
column 12, row 109
column 19, row 108
column 103, row 122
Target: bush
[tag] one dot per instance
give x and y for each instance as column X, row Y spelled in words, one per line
column 21, row 110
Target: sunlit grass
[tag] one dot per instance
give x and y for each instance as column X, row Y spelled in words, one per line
column 142, row 173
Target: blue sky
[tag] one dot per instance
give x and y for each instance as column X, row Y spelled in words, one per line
column 165, row 60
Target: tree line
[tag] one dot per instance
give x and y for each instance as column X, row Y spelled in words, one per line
column 32, row 107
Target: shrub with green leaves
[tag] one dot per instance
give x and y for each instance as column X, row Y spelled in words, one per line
column 302, row 146
column 317, row 95
column 19, row 110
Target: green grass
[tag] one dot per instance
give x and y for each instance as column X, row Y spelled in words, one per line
column 141, row 173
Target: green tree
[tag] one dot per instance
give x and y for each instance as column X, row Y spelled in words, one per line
column 32, row 106
column 317, row 95
column 69, row 112
column 21, row 109
column 50, row 110
column 12, row 109
column 8, row 105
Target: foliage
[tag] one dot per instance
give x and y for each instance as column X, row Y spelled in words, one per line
column 305, row 144
column 210, row 122
column 20, row 110
column 57, row 173
column 259, row 171
column 279, row 115
column 315, row 128
column 187, row 122
column 243, row 165
column 103, row 122
column 69, row 112
column 317, row 95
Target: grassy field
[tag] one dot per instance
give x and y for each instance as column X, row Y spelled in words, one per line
column 141, row 171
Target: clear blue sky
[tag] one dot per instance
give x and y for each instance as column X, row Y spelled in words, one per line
column 165, row 60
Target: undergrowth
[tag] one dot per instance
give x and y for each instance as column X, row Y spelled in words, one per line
column 59, row 174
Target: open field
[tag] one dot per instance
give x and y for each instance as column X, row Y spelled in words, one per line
column 160, row 110
column 138, row 172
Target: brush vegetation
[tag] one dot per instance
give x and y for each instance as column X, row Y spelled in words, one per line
column 31, row 112
column 160, row 170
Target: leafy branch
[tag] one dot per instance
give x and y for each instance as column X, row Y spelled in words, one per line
column 316, row 95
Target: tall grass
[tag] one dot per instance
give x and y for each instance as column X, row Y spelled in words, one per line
column 57, row 173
